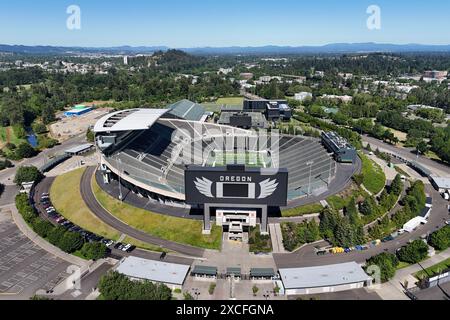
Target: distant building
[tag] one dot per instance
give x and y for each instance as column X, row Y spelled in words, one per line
column 319, row 74
column 346, row 76
column 274, row 110
column 78, row 110
column 441, row 184
column 342, row 150
column 434, row 74
column 246, row 75
column 125, row 60
column 344, row 99
column 225, row 71
column 415, row 107
column 301, row 96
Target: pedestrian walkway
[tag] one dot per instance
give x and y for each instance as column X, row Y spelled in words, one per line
column 276, row 238
column 393, row 290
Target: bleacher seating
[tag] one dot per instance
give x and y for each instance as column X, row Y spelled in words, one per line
column 151, row 156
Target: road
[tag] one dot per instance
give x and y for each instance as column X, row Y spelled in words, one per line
column 44, row 187
column 306, row 257
column 406, row 154
column 105, row 216
column 7, row 175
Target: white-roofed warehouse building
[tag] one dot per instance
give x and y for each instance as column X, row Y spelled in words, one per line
column 324, row 279
column 170, row 274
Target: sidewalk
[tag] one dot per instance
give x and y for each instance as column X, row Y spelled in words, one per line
column 26, row 230
column 277, row 238
column 393, row 290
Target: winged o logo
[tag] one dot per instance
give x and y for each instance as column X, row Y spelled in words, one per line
column 204, row 186
column 268, row 187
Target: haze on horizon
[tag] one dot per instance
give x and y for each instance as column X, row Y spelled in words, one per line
column 210, row 23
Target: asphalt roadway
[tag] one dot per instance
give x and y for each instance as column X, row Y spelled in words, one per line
column 307, row 257
column 7, row 175
column 105, row 216
column 407, row 154
column 44, row 187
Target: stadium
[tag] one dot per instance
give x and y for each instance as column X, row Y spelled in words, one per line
column 150, row 150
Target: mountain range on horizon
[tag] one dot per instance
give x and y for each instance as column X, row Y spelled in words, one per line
column 234, row 50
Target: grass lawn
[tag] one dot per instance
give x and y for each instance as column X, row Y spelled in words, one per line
column 230, row 101
column 179, row 230
column 433, row 270
column 67, row 200
column 8, row 131
column 374, row 177
column 337, row 202
column 303, row 210
column 433, row 156
column 402, row 265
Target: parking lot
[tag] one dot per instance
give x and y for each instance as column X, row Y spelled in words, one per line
column 25, row 267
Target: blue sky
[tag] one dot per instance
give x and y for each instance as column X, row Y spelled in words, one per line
column 195, row 23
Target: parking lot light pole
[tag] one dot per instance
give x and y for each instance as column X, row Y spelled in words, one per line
column 120, row 184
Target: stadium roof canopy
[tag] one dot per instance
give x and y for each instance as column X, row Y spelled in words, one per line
column 153, row 270
column 128, row 120
column 323, row 276
column 187, row 110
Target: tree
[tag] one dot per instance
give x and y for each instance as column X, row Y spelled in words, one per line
column 70, row 242
column 39, row 128
column 396, row 185
column 55, row 236
column 94, row 250
column 116, row 286
column 440, row 239
column 387, row 262
column 90, row 135
column 351, row 212
column 368, row 207
column 422, row 147
column 42, row 227
column 413, row 252
column 24, row 150
column 255, row 290
column 27, row 174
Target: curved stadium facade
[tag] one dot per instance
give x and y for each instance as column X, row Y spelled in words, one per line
column 151, row 148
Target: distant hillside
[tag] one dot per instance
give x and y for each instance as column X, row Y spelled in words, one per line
column 329, row 48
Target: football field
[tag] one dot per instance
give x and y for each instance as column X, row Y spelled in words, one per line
column 250, row 159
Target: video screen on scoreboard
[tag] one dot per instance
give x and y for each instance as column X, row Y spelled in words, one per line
column 235, row 190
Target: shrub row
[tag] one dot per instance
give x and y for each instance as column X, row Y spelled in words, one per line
column 65, row 240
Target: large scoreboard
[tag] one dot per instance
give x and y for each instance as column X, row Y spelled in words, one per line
column 236, row 184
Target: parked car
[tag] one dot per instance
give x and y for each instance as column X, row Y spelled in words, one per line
column 108, row 242
column 162, row 256
column 118, row 246
column 447, row 222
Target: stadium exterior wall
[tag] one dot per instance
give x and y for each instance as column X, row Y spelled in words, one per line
column 174, row 195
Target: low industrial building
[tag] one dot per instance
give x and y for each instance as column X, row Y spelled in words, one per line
column 342, row 150
column 441, row 184
column 77, row 150
column 169, row 274
column 324, row 279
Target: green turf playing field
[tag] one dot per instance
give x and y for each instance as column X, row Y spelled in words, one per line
column 250, row 159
